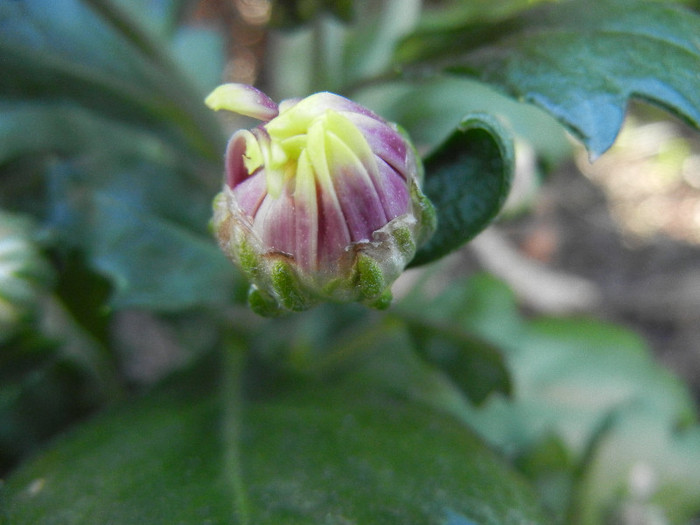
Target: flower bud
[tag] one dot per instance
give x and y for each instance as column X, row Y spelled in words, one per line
column 321, row 202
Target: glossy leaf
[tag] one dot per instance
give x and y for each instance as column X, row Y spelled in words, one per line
column 311, row 455
column 467, row 178
column 580, row 64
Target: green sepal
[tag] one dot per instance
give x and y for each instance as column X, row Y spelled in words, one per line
column 285, row 285
column 382, row 302
column 263, row 303
column 369, row 277
column 425, row 214
column 404, row 241
column 249, row 260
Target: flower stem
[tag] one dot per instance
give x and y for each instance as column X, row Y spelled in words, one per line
column 234, row 364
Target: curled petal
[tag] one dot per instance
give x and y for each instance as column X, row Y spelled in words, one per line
column 244, row 100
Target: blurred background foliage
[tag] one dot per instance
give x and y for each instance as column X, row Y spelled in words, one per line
column 135, row 386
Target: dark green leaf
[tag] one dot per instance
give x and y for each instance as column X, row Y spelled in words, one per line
column 311, row 455
column 41, row 393
column 474, row 365
column 581, row 64
column 467, row 178
column 144, row 227
column 289, row 14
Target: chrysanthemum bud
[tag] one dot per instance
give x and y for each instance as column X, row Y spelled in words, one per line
column 321, row 202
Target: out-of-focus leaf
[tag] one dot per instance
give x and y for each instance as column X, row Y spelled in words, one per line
column 41, row 393
column 93, row 93
column 290, row 14
column 447, row 15
column 431, row 110
column 38, row 130
column 580, row 64
column 312, row 455
column 643, row 469
column 573, row 380
column 333, row 56
column 200, row 52
column 160, row 17
column 371, row 40
column 102, row 59
column 24, row 272
column 467, row 178
column 53, row 371
column 145, row 228
column 475, row 365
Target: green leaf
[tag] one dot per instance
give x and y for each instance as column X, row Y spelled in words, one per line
column 584, row 386
column 476, row 366
column 38, row 130
column 290, row 14
column 102, row 59
column 467, row 178
column 642, row 466
column 311, row 454
column 144, row 227
column 431, row 110
column 582, row 65
column 473, row 364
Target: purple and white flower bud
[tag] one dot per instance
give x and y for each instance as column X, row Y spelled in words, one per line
column 321, row 202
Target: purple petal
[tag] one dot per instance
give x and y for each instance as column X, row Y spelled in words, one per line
column 386, row 142
column 356, row 193
column 333, row 234
column 236, row 172
column 274, row 223
column 306, row 215
column 251, row 192
column 393, row 191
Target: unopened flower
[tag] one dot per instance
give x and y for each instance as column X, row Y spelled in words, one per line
column 321, row 202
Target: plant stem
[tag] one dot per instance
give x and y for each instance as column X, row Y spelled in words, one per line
column 234, row 364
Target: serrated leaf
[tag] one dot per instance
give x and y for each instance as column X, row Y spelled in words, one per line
column 467, row 179
column 312, row 454
column 581, row 64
